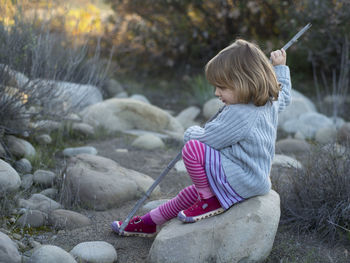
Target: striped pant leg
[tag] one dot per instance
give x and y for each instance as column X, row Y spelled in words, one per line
column 193, row 155
column 186, row 198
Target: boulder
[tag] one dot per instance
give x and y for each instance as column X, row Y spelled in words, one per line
column 52, row 254
column 95, row 182
column 8, row 250
column 286, row 161
column 65, row 219
column 187, row 116
column 27, row 181
column 50, row 192
column 244, row 233
column 67, row 95
column 19, row 147
column 307, row 124
column 127, row 114
column 300, row 104
column 140, row 97
column 44, row 178
column 39, row 202
column 113, row 87
column 23, row 166
column 43, row 139
column 152, row 205
column 292, row 147
column 343, row 134
column 148, row 142
column 9, row 178
column 211, row 107
column 32, row 218
column 326, row 135
column 94, row 252
column 83, row 129
column 69, row 152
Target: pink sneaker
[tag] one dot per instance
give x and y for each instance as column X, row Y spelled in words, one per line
column 201, row 209
column 136, row 227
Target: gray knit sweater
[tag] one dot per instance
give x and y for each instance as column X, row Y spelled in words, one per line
column 245, row 135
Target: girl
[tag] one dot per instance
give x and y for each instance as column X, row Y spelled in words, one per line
column 228, row 160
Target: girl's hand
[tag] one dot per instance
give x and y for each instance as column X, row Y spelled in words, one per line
column 278, row 57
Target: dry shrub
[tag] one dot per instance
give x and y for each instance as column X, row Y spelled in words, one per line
column 319, row 196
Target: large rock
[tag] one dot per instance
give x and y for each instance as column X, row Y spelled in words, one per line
column 187, row 116
column 19, row 147
column 65, row 219
column 39, row 202
column 292, row 146
column 126, row 114
column 307, row 124
column 343, row 135
column 148, row 142
column 52, row 254
column 8, row 250
column 99, row 183
column 67, row 95
column 32, row 218
column 44, row 178
column 95, row 252
column 211, row 107
column 300, row 104
column 244, row 233
column 9, row 178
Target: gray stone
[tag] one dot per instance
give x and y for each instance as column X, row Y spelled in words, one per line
column 343, row 135
column 19, row 147
column 180, row 167
column 50, row 192
column 69, row 152
column 326, row 135
column 52, row 254
column 244, row 233
column 2, row 151
column 9, row 178
column 47, row 125
column 211, row 107
column 83, row 129
column 99, row 183
column 8, row 250
column 300, row 104
column 187, row 116
column 143, row 132
column 27, row 181
column 140, row 97
column 65, row 219
column 69, row 95
column 148, row 142
column 44, row 178
column 113, row 87
column 43, row 139
column 121, row 95
column 94, row 252
column 39, row 202
column 32, row 218
column 286, row 161
column 292, row 146
column 127, row 114
column 307, row 124
column 23, row 166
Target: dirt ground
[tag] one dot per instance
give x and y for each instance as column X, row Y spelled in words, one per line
column 288, row 246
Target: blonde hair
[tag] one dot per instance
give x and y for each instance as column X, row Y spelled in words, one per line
column 243, row 67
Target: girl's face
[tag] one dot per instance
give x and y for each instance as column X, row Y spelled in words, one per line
column 227, row 96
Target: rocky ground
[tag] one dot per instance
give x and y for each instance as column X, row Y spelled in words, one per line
column 288, row 247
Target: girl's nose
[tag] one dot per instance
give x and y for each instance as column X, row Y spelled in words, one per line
column 217, row 92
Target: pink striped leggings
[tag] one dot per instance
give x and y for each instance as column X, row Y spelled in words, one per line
column 193, row 155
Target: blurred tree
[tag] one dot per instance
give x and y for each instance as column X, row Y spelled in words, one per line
column 190, row 31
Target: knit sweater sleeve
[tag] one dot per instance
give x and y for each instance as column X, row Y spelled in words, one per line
column 283, row 77
column 228, row 128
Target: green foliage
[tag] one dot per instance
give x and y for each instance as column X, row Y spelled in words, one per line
column 201, row 90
